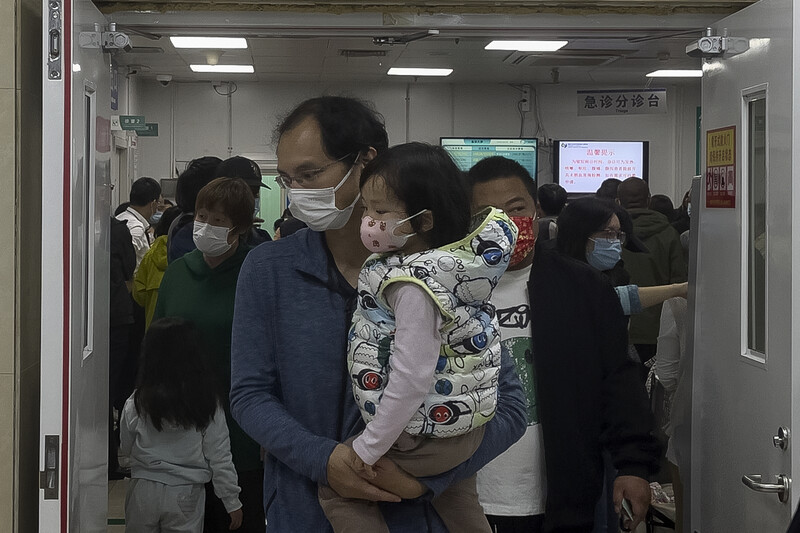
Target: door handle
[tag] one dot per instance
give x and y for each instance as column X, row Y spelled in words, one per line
column 781, row 487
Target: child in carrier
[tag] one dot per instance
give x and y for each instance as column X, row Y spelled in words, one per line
column 424, row 346
column 173, row 428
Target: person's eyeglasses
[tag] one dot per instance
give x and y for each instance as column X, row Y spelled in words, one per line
column 305, row 177
column 611, row 234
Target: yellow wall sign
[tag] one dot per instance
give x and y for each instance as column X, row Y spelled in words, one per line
column 721, row 167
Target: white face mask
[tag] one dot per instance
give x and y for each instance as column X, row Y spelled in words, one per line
column 317, row 207
column 211, row 240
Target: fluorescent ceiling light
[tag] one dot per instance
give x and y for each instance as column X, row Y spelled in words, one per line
column 394, row 71
column 214, row 43
column 235, row 69
column 526, row 46
column 676, row 74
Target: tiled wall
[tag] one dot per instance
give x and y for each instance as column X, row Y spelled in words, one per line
column 20, row 238
column 8, row 387
column 29, row 201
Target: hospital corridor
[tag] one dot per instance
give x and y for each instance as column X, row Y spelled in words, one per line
column 472, row 266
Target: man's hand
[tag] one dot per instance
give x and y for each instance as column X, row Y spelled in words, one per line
column 345, row 480
column 637, row 491
column 236, row 519
column 392, row 477
column 362, row 469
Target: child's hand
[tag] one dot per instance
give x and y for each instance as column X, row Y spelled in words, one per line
column 236, row 519
column 362, row 469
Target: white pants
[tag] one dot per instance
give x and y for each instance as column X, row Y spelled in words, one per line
column 155, row 507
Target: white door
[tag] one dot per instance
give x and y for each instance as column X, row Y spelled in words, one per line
column 75, row 283
column 747, row 280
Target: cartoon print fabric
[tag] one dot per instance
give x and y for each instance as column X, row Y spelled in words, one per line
column 460, row 278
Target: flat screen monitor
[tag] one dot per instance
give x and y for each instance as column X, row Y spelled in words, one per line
column 466, row 151
column 581, row 166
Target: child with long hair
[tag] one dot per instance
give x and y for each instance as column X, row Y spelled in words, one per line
column 173, row 428
column 424, row 346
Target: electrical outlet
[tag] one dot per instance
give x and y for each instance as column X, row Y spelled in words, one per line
column 525, row 103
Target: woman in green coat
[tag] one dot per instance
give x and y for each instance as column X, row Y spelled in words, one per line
column 201, row 286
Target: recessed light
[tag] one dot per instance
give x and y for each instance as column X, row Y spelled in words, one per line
column 394, row 71
column 676, row 74
column 235, row 69
column 526, row 46
column 215, row 43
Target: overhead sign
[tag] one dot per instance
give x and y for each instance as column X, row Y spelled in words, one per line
column 151, row 130
column 622, row 102
column 132, row 122
column 721, row 167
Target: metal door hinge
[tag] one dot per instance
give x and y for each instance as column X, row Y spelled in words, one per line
column 54, row 62
column 109, row 41
column 48, row 478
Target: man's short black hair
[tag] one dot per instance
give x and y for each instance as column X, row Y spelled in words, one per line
column 663, row 204
column 144, row 191
column 498, row 166
column 199, row 173
column 552, row 198
column 608, row 189
column 348, row 126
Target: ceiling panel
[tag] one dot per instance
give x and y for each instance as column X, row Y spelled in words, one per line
column 618, row 48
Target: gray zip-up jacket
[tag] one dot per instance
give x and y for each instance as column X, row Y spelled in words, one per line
column 178, row 456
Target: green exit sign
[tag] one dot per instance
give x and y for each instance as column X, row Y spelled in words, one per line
column 150, row 130
column 132, row 122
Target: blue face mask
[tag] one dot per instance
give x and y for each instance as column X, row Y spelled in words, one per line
column 155, row 218
column 606, row 254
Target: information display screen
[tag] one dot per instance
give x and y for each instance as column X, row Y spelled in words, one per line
column 581, row 166
column 466, row 151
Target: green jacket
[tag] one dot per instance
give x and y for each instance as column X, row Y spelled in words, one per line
column 664, row 264
column 192, row 290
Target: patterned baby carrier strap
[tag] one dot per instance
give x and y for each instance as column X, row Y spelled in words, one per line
column 460, row 278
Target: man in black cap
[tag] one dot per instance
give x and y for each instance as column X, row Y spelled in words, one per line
column 248, row 170
column 198, row 173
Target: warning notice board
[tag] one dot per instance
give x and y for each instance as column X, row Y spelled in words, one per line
column 721, row 167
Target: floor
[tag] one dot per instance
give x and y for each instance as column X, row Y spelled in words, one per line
column 116, row 508
column 116, row 505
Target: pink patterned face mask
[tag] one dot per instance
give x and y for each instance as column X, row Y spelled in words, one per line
column 379, row 235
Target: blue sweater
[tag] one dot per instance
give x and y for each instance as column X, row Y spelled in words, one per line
column 291, row 393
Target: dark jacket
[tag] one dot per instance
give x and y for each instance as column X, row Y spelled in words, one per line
column 547, row 228
column 122, row 265
column 664, row 264
column 291, row 392
column 589, row 393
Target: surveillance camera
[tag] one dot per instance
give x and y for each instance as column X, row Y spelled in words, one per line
column 717, row 46
column 708, row 46
column 164, row 79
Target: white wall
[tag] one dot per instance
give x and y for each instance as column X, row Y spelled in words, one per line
column 434, row 110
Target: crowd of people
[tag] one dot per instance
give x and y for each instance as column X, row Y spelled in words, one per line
column 418, row 348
